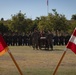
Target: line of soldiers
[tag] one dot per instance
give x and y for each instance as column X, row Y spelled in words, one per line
column 17, row 39
column 29, row 39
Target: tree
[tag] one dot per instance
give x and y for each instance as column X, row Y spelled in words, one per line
column 72, row 25
column 19, row 23
column 59, row 21
column 29, row 25
column 36, row 23
column 2, row 19
column 73, row 17
column 3, row 28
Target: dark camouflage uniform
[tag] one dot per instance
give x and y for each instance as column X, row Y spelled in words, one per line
column 35, row 38
column 50, row 40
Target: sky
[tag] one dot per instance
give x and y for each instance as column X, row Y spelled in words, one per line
column 36, row 8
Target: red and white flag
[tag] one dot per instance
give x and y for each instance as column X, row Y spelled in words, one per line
column 3, row 46
column 72, row 42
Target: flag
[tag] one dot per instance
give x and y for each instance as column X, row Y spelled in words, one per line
column 47, row 2
column 72, row 42
column 3, row 46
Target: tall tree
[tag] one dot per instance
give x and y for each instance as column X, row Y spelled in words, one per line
column 3, row 28
column 59, row 21
column 19, row 23
column 73, row 17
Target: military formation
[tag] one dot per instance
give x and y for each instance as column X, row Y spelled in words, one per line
column 36, row 39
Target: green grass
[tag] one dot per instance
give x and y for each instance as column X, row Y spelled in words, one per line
column 37, row 62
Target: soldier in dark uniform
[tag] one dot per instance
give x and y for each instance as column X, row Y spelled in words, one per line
column 56, row 38
column 30, row 39
column 35, row 38
column 61, row 39
column 5, row 37
column 19, row 39
column 27, row 39
column 23, row 39
column 9, row 39
column 49, row 38
column 67, row 37
column 42, row 38
column 14, row 39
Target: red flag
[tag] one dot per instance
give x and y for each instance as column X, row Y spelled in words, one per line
column 72, row 42
column 47, row 2
column 3, row 46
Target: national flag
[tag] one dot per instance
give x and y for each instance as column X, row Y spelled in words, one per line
column 72, row 42
column 3, row 46
column 47, row 2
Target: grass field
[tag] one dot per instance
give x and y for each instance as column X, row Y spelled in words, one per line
column 38, row 62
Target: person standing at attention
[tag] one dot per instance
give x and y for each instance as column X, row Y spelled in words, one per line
column 50, row 40
column 35, row 39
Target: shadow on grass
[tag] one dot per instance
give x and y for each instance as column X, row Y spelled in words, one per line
column 55, row 48
column 51, row 50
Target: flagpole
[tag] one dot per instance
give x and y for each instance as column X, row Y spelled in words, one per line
column 71, row 45
column 59, row 63
column 15, row 62
column 47, row 7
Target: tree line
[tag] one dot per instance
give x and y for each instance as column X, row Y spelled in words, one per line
column 53, row 21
